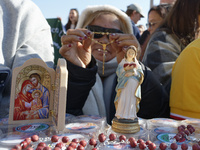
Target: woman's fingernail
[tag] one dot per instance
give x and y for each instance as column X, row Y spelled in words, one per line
column 69, row 45
column 89, row 33
column 80, row 38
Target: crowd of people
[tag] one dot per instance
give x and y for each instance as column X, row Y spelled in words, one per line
column 95, row 44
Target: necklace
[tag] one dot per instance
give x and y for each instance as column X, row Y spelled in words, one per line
column 104, row 47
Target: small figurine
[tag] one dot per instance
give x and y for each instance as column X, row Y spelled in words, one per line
column 130, row 77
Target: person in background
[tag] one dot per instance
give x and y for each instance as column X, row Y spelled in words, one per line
column 72, row 19
column 135, row 14
column 141, row 28
column 155, row 16
column 167, row 1
column 24, row 34
column 185, row 87
column 93, row 51
column 173, row 35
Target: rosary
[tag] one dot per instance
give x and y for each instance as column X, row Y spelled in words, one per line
column 104, row 47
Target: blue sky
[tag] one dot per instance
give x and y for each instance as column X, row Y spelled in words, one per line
column 60, row 8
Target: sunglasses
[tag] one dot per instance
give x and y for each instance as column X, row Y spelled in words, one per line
column 99, row 32
column 151, row 24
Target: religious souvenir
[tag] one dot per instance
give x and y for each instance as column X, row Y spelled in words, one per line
column 130, row 78
column 38, row 93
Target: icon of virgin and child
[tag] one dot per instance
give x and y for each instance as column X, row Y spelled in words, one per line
column 32, row 102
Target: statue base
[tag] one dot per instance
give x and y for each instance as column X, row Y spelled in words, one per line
column 125, row 125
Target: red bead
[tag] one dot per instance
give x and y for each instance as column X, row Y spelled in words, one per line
column 28, row 140
column 184, row 146
column 47, row 148
column 112, row 136
column 70, row 148
column 173, row 146
column 57, row 148
column 54, row 138
column 122, row 138
column 131, row 139
column 24, row 144
column 140, row 140
column 187, row 132
column 152, row 146
column 39, row 148
column 73, row 144
column 133, row 143
column 142, row 145
column 60, row 145
column 163, row 146
column 195, row 147
column 65, row 139
column 80, row 147
column 148, row 142
column 102, row 137
column 34, row 138
column 42, row 144
column 83, row 143
column 92, row 141
column 75, row 140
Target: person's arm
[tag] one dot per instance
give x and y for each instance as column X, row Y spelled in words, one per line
column 161, row 53
column 80, row 82
column 28, row 35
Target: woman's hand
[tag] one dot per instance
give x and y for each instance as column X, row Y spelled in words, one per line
column 76, row 46
column 123, row 41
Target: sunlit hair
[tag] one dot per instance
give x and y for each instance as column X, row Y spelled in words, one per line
column 182, row 20
column 89, row 19
column 162, row 9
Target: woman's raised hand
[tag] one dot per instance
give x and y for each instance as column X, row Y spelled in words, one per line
column 76, row 46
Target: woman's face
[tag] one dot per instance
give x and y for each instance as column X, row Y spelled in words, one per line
column 73, row 16
column 28, row 87
column 130, row 53
column 106, row 21
column 154, row 20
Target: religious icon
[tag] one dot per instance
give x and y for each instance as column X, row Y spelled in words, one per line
column 130, row 78
column 38, row 93
column 32, row 102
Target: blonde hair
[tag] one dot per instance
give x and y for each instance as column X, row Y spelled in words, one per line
column 93, row 12
column 97, row 14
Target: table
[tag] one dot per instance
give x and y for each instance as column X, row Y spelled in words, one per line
column 87, row 127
